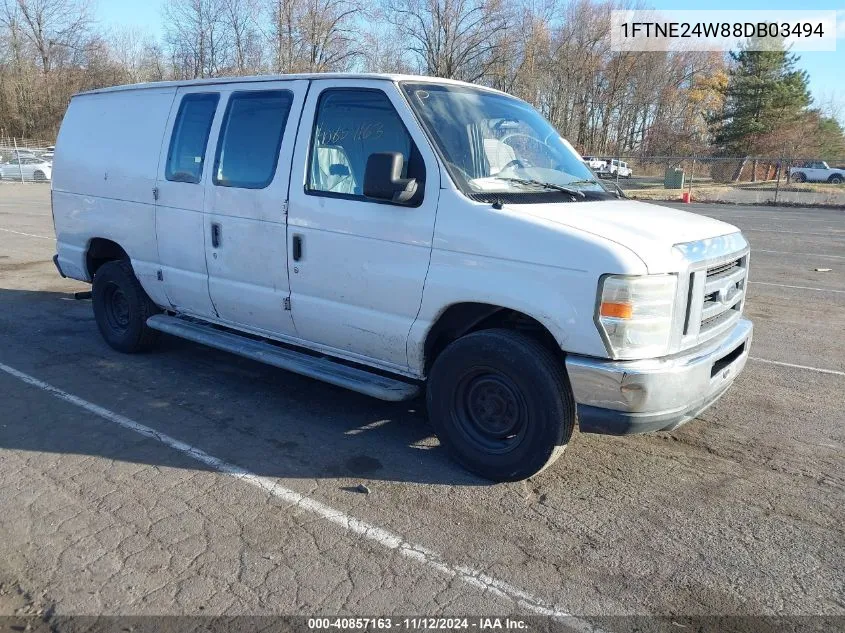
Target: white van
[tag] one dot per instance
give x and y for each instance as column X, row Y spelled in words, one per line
column 394, row 235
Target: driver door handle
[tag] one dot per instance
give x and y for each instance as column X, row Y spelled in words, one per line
column 297, row 248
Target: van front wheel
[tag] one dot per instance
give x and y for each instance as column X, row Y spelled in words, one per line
column 121, row 308
column 501, row 404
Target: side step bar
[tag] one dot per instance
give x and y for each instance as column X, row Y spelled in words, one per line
column 329, row 371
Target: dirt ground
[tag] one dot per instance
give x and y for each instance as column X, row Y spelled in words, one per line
column 769, row 192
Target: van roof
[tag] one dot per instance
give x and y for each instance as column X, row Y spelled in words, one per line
column 261, row 78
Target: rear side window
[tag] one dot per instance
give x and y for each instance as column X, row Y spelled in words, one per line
column 250, row 138
column 190, row 137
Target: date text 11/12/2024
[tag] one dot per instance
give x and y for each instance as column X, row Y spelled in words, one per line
column 418, row 623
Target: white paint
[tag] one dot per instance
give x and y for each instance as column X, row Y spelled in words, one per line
column 40, row 237
column 828, row 234
column 367, row 427
column 380, row 536
column 834, row 372
column 763, row 250
column 373, row 278
column 778, row 217
column 767, row 283
column 250, row 220
column 360, row 281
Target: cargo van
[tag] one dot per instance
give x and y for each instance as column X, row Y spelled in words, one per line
column 400, row 236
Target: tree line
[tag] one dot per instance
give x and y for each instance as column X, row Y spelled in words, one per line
column 554, row 54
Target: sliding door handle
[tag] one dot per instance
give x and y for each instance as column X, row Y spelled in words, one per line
column 297, row 248
column 215, row 234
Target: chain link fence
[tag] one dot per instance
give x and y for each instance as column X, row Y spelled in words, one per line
column 25, row 160
column 736, row 180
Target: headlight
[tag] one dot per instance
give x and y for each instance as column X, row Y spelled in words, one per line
column 635, row 314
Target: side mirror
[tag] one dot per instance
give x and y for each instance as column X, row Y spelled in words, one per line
column 383, row 178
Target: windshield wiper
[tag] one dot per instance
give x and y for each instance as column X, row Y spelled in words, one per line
column 618, row 193
column 547, row 185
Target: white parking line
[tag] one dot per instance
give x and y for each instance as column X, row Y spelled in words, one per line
column 778, row 217
column 836, row 231
column 41, row 237
column 794, row 366
column 385, row 538
column 763, row 250
column 768, row 283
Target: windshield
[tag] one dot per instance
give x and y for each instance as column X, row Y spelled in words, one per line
column 493, row 143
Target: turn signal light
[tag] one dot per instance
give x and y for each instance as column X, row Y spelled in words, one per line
column 617, row 310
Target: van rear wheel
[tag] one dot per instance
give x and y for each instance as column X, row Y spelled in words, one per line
column 501, row 404
column 121, row 308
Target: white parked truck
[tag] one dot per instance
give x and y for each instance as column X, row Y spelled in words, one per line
column 400, row 235
column 817, row 171
column 593, row 163
column 612, row 168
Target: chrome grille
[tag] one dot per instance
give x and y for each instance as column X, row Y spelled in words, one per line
column 724, row 290
column 722, row 269
column 715, row 297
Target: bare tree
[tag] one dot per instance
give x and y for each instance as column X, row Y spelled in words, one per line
column 129, row 49
column 55, row 28
column 283, row 36
column 451, row 38
column 315, row 35
column 554, row 54
column 198, row 37
column 240, row 18
column 383, row 53
column 329, row 36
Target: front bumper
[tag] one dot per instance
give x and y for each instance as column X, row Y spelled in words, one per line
column 624, row 397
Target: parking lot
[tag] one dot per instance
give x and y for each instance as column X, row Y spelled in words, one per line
column 189, row 481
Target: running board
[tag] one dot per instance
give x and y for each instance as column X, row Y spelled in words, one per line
column 332, row 372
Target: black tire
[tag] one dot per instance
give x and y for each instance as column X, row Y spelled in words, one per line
column 121, row 308
column 501, row 404
column 799, row 177
column 39, row 176
column 836, row 179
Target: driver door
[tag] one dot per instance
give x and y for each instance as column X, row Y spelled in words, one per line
column 358, row 266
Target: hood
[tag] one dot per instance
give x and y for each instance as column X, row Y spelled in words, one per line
column 649, row 230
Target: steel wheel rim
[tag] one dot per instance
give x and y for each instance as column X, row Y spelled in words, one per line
column 490, row 411
column 117, row 308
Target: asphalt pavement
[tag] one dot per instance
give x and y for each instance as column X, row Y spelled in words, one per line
column 187, row 481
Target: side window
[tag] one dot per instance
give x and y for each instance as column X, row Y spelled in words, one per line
column 350, row 125
column 250, row 138
column 190, row 136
